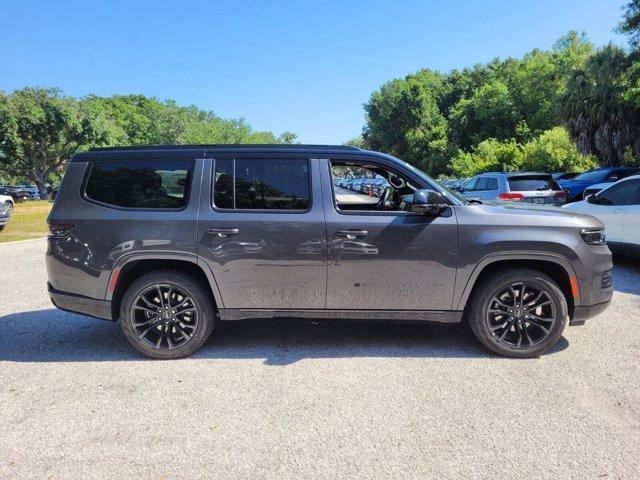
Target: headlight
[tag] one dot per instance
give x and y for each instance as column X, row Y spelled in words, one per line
column 593, row 236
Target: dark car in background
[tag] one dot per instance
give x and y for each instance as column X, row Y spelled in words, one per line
column 171, row 240
column 18, row 194
column 576, row 186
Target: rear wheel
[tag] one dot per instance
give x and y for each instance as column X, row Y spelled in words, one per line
column 518, row 313
column 167, row 314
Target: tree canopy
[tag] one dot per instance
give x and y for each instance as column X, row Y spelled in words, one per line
column 40, row 128
column 567, row 108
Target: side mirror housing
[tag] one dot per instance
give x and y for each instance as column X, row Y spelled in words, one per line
column 428, row 202
column 591, row 198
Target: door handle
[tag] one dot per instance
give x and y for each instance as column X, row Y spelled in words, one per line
column 351, row 234
column 223, row 232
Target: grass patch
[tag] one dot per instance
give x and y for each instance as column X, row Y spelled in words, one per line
column 28, row 220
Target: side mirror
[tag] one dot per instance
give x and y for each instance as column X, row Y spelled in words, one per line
column 428, row 202
column 591, row 198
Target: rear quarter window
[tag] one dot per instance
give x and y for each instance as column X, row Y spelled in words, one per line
column 532, row 183
column 156, row 184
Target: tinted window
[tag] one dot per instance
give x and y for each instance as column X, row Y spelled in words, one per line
column 483, row 183
column 140, row 183
column 625, row 193
column 223, row 184
column 267, row 184
column 592, row 176
column 492, row 184
column 470, row 185
column 532, row 183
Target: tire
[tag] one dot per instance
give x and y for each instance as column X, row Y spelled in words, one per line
column 2, row 227
column 144, row 326
column 502, row 293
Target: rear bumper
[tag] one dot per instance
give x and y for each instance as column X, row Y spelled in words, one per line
column 80, row 304
column 583, row 312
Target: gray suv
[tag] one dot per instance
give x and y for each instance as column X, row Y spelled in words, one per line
column 523, row 187
column 170, row 240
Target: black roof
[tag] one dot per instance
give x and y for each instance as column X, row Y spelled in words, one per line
column 163, row 150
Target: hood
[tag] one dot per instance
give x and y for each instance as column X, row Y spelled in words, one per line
column 532, row 215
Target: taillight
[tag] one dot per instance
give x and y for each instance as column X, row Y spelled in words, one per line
column 60, row 229
column 514, row 197
column 562, row 196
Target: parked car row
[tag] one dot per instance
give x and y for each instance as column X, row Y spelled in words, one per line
column 373, row 186
column 576, row 186
column 20, row 193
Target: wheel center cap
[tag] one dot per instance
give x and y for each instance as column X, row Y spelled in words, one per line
column 518, row 312
column 166, row 314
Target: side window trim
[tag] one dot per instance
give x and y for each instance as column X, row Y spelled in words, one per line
column 257, row 210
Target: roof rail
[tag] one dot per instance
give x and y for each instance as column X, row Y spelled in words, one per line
column 275, row 146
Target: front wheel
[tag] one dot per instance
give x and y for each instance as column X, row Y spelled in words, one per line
column 518, row 313
column 167, row 314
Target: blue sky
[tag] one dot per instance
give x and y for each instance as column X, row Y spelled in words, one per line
column 301, row 66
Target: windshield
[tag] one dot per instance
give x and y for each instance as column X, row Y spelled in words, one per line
column 591, row 176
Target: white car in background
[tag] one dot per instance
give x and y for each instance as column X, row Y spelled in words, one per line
column 618, row 207
column 6, row 200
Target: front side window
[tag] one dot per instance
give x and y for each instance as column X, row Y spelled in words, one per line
column 625, row 193
column 375, row 189
column 261, row 184
column 157, row 184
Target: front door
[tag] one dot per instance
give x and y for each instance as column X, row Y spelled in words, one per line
column 380, row 256
column 261, row 231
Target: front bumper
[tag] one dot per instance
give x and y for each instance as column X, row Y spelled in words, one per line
column 583, row 312
column 80, row 304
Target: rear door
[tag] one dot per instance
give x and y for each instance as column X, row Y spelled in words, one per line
column 261, row 231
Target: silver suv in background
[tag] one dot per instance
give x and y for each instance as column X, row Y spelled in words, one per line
column 524, row 187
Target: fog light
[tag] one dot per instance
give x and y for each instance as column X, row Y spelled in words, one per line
column 607, row 279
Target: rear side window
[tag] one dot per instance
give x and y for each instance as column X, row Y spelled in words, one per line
column 140, row 183
column 262, row 184
column 532, row 183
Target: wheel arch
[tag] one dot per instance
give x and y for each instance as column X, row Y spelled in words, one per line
column 558, row 268
column 126, row 272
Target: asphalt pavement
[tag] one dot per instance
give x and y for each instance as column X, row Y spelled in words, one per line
column 295, row 399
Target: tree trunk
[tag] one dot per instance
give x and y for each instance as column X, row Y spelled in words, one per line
column 40, row 181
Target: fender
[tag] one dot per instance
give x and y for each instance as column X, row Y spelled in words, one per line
column 515, row 255
column 164, row 255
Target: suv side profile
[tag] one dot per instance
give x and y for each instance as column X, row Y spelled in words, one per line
column 170, row 240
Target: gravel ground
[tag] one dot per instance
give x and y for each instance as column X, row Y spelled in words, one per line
column 296, row 399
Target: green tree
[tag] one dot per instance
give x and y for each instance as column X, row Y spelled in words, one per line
column 403, row 119
column 553, row 151
column 489, row 113
column 490, row 155
column 595, row 107
column 40, row 129
column 631, row 22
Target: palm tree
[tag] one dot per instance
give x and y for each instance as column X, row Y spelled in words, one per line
column 597, row 115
